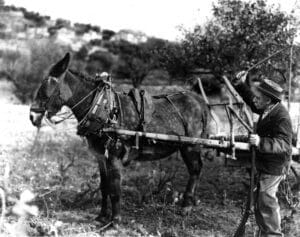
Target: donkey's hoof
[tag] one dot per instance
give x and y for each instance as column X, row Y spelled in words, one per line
column 102, row 218
column 186, row 211
column 116, row 220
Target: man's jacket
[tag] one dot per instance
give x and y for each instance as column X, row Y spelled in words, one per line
column 275, row 130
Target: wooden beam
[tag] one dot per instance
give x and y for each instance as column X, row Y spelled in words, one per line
column 212, row 143
column 239, row 99
column 181, row 139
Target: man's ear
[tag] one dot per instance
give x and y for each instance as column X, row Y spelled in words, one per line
column 60, row 67
column 268, row 99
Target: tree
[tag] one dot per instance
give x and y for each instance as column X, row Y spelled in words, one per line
column 107, row 34
column 99, row 62
column 135, row 60
column 26, row 71
column 173, row 58
column 240, row 34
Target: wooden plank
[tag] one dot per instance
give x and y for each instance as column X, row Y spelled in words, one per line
column 225, row 104
column 212, row 143
column 239, row 99
column 202, row 90
column 181, row 139
column 250, row 130
column 213, row 114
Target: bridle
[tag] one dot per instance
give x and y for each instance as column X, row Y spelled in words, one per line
column 43, row 108
column 110, row 110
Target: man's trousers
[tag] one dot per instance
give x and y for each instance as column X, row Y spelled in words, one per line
column 267, row 211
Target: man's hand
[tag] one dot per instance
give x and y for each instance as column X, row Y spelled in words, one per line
column 254, row 139
column 240, row 78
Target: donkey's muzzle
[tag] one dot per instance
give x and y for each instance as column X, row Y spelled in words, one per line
column 36, row 117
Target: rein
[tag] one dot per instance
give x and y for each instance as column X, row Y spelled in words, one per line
column 78, row 103
column 103, row 95
column 70, row 114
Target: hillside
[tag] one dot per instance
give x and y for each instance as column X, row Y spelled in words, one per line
column 18, row 24
column 30, row 43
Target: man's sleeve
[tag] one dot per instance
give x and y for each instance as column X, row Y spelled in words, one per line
column 281, row 142
column 247, row 96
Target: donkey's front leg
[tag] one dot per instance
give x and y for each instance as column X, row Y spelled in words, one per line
column 114, row 181
column 104, row 187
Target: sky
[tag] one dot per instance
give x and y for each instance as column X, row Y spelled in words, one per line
column 159, row 18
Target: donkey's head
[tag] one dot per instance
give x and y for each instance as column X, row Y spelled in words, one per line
column 49, row 99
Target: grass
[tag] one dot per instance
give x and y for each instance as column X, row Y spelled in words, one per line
column 58, row 168
column 63, row 175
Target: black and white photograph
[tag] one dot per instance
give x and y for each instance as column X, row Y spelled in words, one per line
column 139, row 118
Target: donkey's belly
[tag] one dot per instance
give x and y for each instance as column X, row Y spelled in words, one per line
column 155, row 152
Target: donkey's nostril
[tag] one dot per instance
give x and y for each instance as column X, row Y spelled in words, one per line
column 35, row 118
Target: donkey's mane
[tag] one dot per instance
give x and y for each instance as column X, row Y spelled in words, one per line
column 83, row 76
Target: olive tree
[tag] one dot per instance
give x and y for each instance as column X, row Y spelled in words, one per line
column 239, row 35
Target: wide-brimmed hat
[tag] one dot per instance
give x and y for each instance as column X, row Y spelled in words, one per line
column 271, row 89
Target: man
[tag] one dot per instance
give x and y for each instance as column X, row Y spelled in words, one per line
column 273, row 142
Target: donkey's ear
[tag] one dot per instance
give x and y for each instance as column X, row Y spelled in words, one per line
column 59, row 68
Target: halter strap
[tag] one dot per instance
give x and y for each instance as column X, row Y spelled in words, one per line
column 51, row 98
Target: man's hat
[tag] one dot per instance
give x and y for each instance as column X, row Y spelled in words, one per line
column 271, row 89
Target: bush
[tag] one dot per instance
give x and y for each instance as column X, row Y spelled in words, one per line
column 81, row 29
column 35, row 17
column 107, row 34
column 26, row 70
column 99, row 62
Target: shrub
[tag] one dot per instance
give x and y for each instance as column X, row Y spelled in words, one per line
column 107, row 34
column 26, row 70
column 35, row 17
column 99, row 62
column 81, row 29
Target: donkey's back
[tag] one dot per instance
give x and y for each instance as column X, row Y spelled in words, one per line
column 183, row 113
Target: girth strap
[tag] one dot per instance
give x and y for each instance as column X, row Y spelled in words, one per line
column 120, row 110
column 140, row 111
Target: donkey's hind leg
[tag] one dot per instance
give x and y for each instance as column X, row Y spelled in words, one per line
column 192, row 158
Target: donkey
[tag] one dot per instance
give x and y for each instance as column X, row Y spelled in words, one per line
column 183, row 114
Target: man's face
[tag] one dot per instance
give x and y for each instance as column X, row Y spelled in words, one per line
column 260, row 100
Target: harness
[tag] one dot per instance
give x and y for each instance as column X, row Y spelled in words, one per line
column 140, row 110
column 103, row 112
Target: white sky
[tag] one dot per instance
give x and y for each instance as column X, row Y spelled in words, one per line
column 159, row 18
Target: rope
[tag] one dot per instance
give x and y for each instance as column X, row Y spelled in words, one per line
column 70, row 114
column 290, row 77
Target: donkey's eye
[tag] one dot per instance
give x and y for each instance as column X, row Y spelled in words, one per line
column 52, row 79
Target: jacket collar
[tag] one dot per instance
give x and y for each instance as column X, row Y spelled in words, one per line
column 264, row 118
column 268, row 110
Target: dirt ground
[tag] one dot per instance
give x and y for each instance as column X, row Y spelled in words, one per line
column 56, row 166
